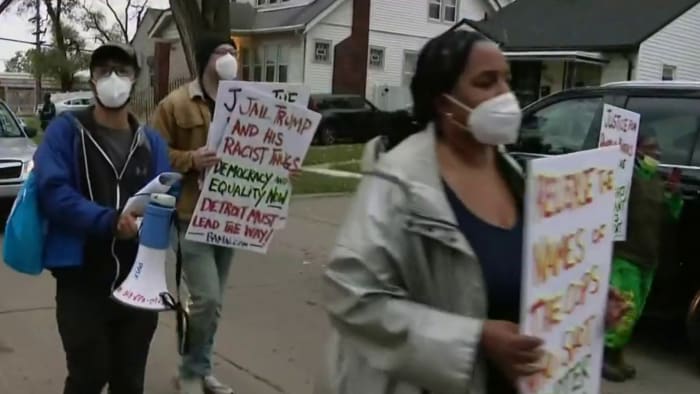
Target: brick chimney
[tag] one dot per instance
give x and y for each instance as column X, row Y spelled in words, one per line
column 350, row 55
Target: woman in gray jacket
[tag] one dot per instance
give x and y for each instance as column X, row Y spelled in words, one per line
column 423, row 288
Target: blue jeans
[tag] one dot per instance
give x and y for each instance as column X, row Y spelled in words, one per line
column 205, row 268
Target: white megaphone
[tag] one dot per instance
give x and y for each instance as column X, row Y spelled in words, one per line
column 145, row 286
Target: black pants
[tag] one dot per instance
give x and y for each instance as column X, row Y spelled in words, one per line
column 105, row 342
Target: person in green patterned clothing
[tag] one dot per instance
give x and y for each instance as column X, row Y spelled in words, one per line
column 652, row 208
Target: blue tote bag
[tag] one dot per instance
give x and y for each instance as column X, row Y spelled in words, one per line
column 25, row 231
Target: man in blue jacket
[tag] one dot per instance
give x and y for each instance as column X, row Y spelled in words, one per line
column 88, row 165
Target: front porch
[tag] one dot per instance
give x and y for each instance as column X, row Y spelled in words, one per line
column 537, row 74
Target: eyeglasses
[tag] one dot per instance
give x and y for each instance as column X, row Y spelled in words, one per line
column 121, row 70
column 226, row 50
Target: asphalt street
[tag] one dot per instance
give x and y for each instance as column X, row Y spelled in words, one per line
column 272, row 330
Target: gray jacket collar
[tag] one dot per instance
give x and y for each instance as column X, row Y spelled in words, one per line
column 413, row 165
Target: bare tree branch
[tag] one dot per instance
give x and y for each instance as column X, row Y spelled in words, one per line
column 122, row 24
column 95, row 20
column 140, row 11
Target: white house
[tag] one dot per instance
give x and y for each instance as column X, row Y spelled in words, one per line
column 341, row 46
column 318, row 42
column 555, row 45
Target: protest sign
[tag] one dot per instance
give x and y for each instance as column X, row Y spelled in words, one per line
column 246, row 195
column 621, row 127
column 566, row 265
column 229, row 93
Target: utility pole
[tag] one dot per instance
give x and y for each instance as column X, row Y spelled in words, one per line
column 37, row 47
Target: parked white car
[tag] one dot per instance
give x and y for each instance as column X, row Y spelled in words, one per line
column 72, row 104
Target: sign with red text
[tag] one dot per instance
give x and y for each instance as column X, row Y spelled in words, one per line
column 228, row 95
column 621, row 127
column 245, row 197
column 566, row 265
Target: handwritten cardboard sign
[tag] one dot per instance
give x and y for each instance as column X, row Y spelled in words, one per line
column 228, row 95
column 621, row 127
column 245, row 197
column 566, row 266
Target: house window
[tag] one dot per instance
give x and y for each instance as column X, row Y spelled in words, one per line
column 376, row 57
column 271, row 2
column 410, row 59
column 668, row 73
column 270, row 64
column 283, row 64
column 258, row 64
column 244, row 54
column 442, row 10
column 322, row 51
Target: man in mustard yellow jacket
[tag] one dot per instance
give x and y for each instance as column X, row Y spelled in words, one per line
column 183, row 118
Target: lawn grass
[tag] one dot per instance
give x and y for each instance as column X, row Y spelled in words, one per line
column 312, row 183
column 38, row 137
column 350, row 166
column 333, row 154
column 33, row 122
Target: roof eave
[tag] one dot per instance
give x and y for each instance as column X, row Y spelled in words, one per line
column 622, row 48
column 158, row 23
column 306, row 26
column 268, row 30
column 323, row 14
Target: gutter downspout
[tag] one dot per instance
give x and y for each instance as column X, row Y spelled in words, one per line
column 630, row 67
column 303, row 56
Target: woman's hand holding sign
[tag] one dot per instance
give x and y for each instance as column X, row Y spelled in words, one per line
column 617, row 307
column 515, row 354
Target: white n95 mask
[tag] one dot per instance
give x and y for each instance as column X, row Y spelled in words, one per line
column 227, row 67
column 493, row 122
column 113, row 91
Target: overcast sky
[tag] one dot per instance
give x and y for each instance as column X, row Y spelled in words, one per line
column 18, row 28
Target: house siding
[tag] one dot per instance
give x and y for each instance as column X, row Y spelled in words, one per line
column 145, row 48
column 334, row 28
column 677, row 44
column 401, row 26
column 397, row 26
column 395, row 47
column 617, row 69
column 410, row 17
column 178, row 62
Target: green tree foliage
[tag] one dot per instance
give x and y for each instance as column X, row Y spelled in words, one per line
column 21, row 62
column 64, row 20
column 67, row 52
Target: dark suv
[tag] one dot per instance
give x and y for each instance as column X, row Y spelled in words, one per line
column 570, row 121
column 345, row 117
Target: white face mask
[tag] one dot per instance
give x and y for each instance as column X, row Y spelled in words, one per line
column 113, row 91
column 227, row 67
column 493, row 122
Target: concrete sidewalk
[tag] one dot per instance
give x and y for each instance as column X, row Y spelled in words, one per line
column 270, row 336
column 272, row 329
